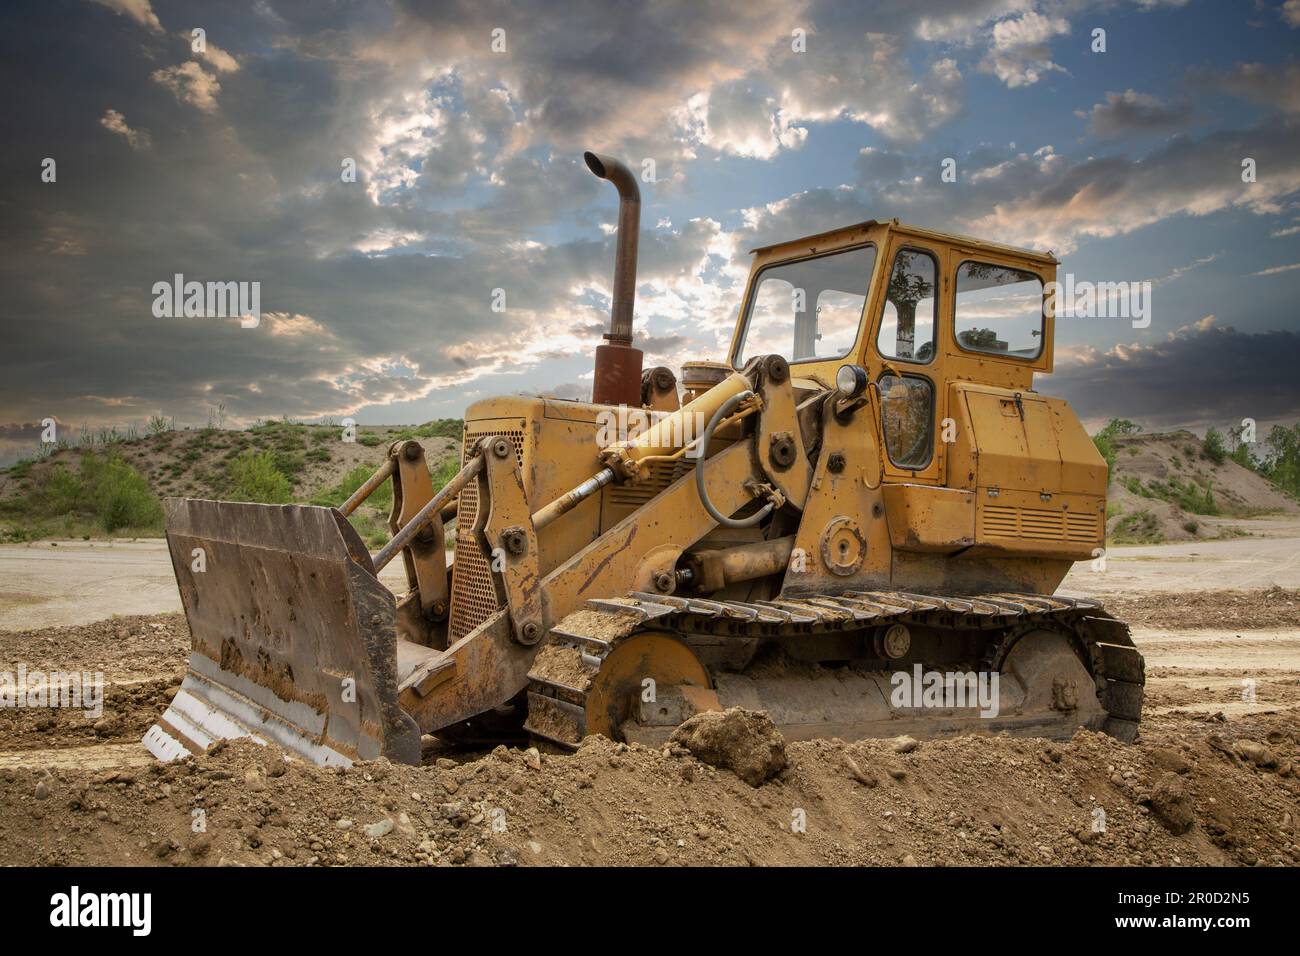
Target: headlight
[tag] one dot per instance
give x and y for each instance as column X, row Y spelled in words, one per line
column 851, row 380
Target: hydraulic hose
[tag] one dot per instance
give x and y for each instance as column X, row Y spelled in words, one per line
column 723, row 411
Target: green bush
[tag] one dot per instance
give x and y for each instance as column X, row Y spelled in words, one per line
column 122, row 497
column 1134, row 484
column 381, row 497
column 290, row 464
column 1140, row 526
column 442, row 428
column 444, row 471
column 65, row 492
column 1107, row 449
column 1105, row 440
column 1213, row 446
column 104, row 489
column 254, row 477
column 1186, row 495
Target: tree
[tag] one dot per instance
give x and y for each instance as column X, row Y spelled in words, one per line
column 1105, row 439
column 254, row 477
column 983, row 340
column 1281, row 463
column 1213, row 446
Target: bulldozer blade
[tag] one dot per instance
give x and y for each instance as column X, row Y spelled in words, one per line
column 293, row 637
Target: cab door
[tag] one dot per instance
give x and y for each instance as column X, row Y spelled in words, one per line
column 905, row 359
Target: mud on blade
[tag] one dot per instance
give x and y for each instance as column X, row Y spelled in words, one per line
column 292, row 636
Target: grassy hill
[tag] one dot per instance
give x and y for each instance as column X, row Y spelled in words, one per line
column 1164, row 487
column 1172, row 487
column 110, row 484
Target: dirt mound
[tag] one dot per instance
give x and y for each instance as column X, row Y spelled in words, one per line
column 77, row 790
column 973, row 800
column 1180, row 454
column 742, row 741
column 122, row 649
column 1233, row 610
column 1163, row 485
column 128, row 711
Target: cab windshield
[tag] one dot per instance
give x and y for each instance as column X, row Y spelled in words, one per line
column 808, row 310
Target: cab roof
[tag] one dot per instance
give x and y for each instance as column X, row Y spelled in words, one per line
column 894, row 225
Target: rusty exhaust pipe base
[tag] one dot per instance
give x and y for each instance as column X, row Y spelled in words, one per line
column 618, row 364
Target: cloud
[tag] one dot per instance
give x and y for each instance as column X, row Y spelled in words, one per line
column 1276, row 86
column 1201, row 373
column 191, row 84
column 962, row 22
column 602, row 75
column 284, row 324
column 1100, row 198
column 1021, row 50
column 64, row 235
column 115, row 122
column 138, row 10
column 722, row 77
column 1134, row 112
column 1276, row 269
column 1044, row 199
column 1057, row 202
column 740, row 120
column 216, row 57
column 377, row 294
column 20, row 440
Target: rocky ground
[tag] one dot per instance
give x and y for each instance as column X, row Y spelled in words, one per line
column 1191, row 792
column 1210, row 781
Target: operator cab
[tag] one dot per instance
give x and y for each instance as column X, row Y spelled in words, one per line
column 918, row 309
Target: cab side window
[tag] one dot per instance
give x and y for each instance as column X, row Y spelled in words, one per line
column 908, row 322
column 998, row 310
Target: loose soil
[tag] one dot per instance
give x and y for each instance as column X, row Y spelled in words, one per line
column 1211, row 780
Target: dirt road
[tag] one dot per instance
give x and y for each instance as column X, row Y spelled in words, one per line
column 1269, row 555
column 46, row 583
column 62, row 583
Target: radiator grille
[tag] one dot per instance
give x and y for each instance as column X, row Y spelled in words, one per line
column 659, row 475
column 1035, row 524
column 473, row 591
column 1083, row 528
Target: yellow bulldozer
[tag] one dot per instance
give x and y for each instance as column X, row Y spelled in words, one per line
column 856, row 524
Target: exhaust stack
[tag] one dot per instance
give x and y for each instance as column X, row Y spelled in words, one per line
column 618, row 365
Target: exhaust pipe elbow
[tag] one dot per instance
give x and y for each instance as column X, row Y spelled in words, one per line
column 617, row 172
column 629, row 229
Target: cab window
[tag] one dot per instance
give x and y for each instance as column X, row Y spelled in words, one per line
column 908, row 321
column 999, row 310
column 809, row 309
column 907, row 417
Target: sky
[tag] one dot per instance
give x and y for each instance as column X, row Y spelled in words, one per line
column 471, row 254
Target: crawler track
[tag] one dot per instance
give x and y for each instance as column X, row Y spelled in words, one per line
column 981, row 631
